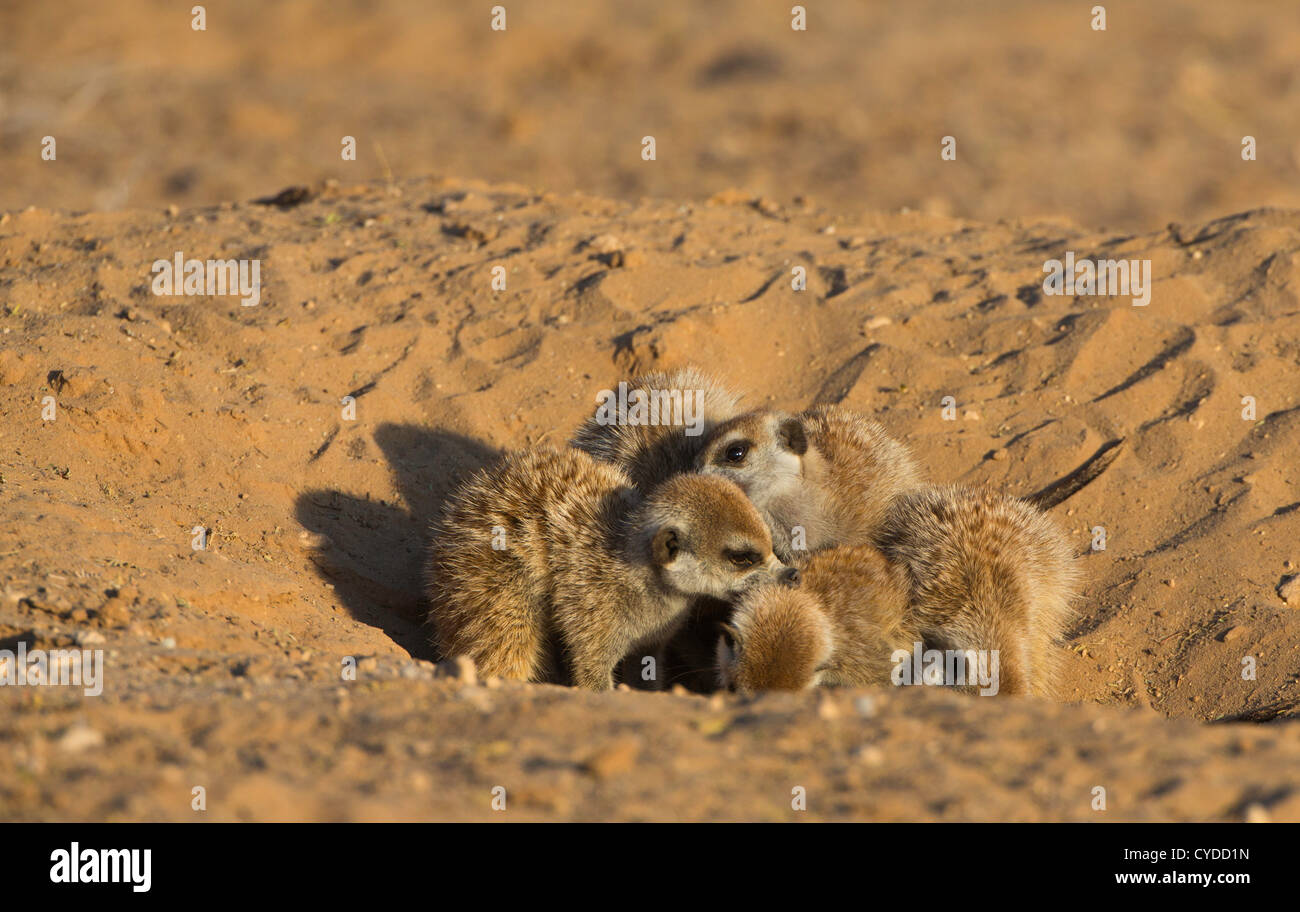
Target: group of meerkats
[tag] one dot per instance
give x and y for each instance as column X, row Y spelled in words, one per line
column 768, row 551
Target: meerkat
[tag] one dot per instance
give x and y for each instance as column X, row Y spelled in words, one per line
column 986, row 572
column 552, row 562
column 651, row 453
column 962, row 571
column 822, row 478
column 842, row 626
column 649, row 445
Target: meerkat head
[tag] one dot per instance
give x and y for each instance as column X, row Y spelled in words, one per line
column 762, row 452
column 778, row 639
column 704, row 537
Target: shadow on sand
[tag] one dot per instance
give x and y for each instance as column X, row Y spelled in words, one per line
column 376, row 562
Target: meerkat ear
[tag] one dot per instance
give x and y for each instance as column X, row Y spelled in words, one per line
column 792, row 437
column 665, row 546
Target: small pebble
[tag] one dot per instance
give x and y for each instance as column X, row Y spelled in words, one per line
column 1256, row 813
column 1289, row 589
column 367, row 665
column 617, row 757
column 827, row 708
column 80, row 738
column 476, row 696
column 461, row 668
column 314, row 541
column 871, row 756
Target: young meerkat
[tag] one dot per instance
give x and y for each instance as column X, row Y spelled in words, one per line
column 840, row 627
column 551, row 562
column 651, row 453
column 688, row 403
column 986, row 572
column 962, row 570
column 827, row 472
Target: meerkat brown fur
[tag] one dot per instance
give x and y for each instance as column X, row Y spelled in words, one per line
column 652, row 453
column 829, row 471
column 840, row 627
column 986, row 572
column 584, row 567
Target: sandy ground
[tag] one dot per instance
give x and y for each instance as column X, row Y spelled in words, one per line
column 1128, row 128
column 223, row 665
column 522, row 149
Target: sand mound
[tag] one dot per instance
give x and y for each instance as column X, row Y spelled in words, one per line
column 176, row 414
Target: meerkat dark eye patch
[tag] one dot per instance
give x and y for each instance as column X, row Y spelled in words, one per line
column 792, row 436
column 735, row 452
column 742, row 557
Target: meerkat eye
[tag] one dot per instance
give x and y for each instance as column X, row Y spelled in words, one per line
column 742, row 558
column 736, row 452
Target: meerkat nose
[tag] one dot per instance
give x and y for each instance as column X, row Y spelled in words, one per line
column 790, row 576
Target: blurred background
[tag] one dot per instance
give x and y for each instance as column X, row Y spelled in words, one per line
column 1128, row 128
